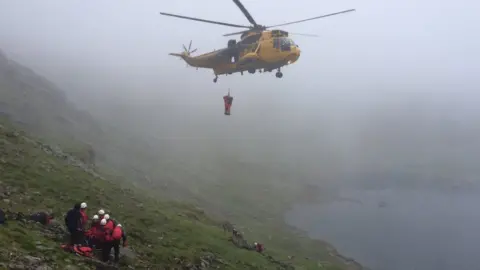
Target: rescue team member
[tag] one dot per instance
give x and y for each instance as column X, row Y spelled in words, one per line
column 91, row 233
column 101, row 213
column 73, row 222
column 110, row 223
column 83, row 212
column 95, row 222
column 117, row 235
column 100, row 232
column 258, row 247
column 107, row 240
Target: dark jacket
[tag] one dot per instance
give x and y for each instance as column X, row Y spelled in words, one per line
column 73, row 220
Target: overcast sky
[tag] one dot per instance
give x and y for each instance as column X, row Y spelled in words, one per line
column 380, row 55
column 383, row 42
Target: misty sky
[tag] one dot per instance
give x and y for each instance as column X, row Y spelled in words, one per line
column 362, row 71
column 382, row 43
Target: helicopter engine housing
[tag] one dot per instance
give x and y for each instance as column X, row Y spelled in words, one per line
column 232, row 43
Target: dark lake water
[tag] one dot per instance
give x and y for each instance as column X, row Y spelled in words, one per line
column 398, row 230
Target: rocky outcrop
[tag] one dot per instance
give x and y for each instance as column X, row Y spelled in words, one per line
column 55, row 151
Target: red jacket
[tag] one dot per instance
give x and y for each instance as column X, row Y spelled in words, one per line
column 110, row 225
column 93, row 229
column 117, row 234
column 84, row 217
column 259, row 247
column 100, row 234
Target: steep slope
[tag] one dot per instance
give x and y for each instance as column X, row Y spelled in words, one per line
column 162, row 234
column 222, row 185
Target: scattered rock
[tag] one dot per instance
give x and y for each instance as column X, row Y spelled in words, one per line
column 32, row 260
column 128, row 254
column 43, row 267
column 40, row 247
column 14, row 266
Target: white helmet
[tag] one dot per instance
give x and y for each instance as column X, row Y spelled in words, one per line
column 103, row 222
column 106, row 217
column 119, row 225
column 83, row 205
column 101, row 212
column 255, row 243
column 95, row 217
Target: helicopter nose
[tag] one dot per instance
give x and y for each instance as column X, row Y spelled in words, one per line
column 294, row 55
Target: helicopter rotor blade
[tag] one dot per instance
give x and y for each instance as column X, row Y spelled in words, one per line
column 193, row 51
column 236, row 33
column 202, row 20
column 190, row 45
column 245, row 12
column 301, row 34
column 314, row 18
column 184, row 48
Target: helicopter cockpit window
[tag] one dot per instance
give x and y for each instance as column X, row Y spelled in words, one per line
column 286, row 43
column 283, row 43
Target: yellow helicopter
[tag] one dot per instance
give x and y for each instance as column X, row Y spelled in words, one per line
column 258, row 48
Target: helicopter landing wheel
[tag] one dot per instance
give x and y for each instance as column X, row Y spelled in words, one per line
column 279, row 74
column 215, row 79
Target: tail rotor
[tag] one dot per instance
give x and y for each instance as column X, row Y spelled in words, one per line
column 188, row 52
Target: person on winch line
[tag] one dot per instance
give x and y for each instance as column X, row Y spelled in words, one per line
column 227, row 100
column 73, row 222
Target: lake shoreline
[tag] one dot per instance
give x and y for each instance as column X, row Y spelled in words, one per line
column 333, row 252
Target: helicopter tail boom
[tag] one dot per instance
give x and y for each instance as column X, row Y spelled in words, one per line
column 181, row 55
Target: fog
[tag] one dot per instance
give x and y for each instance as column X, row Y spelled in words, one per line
column 384, row 99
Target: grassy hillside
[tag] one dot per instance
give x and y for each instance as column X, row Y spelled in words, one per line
column 162, row 234
column 243, row 192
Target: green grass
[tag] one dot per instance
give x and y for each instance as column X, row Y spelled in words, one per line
column 163, row 234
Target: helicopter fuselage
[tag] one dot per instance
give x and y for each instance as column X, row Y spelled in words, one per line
column 266, row 51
